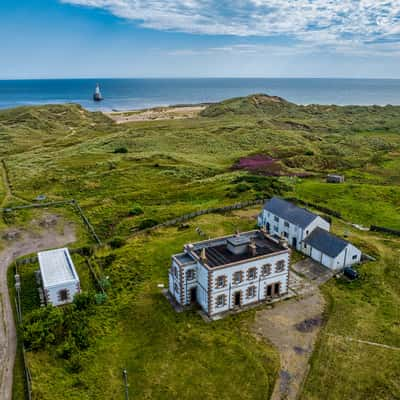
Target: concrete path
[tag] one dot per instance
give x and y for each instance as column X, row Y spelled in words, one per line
column 22, row 243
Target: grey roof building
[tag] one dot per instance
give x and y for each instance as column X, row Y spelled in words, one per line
column 325, row 242
column 290, row 212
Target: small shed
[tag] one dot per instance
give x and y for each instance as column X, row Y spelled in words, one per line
column 59, row 277
column 335, row 178
column 331, row 251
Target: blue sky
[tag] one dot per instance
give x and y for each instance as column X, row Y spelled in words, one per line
column 199, row 38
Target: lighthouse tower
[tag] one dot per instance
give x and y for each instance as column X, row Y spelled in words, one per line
column 97, row 94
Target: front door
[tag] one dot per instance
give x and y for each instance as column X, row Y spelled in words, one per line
column 294, row 243
column 277, row 288
column 237, row 299
column 193, row 294
column 268, row 227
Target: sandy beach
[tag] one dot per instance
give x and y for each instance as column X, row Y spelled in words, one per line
column 157, row 113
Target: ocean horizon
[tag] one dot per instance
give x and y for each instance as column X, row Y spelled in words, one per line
column 130, row 94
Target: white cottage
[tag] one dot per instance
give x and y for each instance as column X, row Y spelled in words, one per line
column 59, row 278
column 282, row 218
column 230, row 272
column 330, row 250
column 307, row 232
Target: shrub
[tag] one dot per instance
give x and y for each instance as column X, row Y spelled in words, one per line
column 242, row 187
column 83, row 301
column 148, row 223
column 44, row 326
column 116, row 243
column 100, row 298
column 136, row 210
column 121, row 150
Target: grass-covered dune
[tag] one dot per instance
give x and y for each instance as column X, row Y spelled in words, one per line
column 130, row 175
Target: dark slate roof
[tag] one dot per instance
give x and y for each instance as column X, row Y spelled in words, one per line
column 290, row 212
column 325, row 242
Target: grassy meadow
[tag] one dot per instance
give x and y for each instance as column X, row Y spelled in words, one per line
column 168, row 168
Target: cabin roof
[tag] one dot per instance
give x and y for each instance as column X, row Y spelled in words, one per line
column 56, row 267
column 290, row 212
column 326, row 242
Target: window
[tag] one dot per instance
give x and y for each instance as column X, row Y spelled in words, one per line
column 237, row 277
column 176, row 287
column 63, row 295
column 280, row 266
column 266, row 269
column 285, row 234
column 251, row 292
column 252, row 274
column 276, row 228
column 221, row 300
column 221, row 281
column 175, row 272
column 355, row 257
column 286, row 224
column 276, row 219
column 190, row 274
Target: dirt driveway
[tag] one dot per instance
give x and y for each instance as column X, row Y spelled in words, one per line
column 292, row 326
column 17, row 244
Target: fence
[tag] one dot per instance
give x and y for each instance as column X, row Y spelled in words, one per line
column 18, row 309
column 316, row 206
column 375, row 228
column 195, row 214
column 72, row 202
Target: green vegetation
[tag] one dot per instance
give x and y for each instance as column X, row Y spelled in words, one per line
column 367, row 309
column 180, row 166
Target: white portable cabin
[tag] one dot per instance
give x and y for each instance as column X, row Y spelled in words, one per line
column 59, row 277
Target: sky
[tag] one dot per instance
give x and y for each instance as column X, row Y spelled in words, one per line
column 199, row 38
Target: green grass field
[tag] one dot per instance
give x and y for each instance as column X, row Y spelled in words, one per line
column 175, row 167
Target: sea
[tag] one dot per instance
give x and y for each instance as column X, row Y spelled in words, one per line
column 131, row 94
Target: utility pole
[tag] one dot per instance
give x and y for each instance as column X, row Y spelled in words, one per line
column 125, row 375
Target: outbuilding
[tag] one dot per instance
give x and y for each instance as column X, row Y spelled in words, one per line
column 331, row 251
column 59, row 277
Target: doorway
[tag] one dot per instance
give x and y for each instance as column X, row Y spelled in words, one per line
column 294, row 243
column 193, row 294
column 268, row 227
column 277, row 289
column 237, row 299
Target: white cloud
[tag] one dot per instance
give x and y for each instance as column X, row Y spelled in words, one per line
column 338, row 23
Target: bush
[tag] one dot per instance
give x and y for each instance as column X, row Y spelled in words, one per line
column 121, row 150
column 242, row 187
column 147, row 223
column 83, row 301
column 100, row 298
column 136, row 210
column 116, row 243
column 43, row 327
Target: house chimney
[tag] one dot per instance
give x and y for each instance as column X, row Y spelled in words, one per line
column 253, row 248
column 203, row 255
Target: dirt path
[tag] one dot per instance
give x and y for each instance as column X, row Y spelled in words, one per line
column 292, row 326
column 18, row 244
